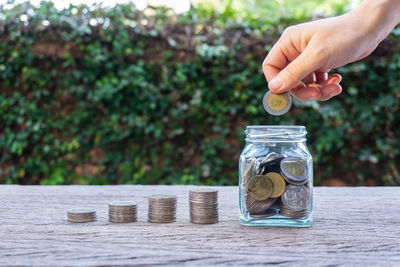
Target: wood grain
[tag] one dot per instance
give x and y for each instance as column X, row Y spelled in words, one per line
column 352, row 226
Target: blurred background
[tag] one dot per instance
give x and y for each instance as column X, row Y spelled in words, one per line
column 160, row 92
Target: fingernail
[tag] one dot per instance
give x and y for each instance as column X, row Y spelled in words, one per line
column 334, row 80
column 275, row 84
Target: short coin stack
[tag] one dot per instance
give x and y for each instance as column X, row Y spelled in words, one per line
column 122, row 211
column 162, row 208
column 81, row 215
column 203, row 206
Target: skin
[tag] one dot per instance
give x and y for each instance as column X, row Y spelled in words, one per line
column 300, row 60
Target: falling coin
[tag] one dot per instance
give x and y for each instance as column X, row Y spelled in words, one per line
column 276, row 104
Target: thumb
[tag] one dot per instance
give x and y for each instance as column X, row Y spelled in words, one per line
column 298, row 69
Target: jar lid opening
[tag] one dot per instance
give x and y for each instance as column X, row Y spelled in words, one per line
column 276, row 133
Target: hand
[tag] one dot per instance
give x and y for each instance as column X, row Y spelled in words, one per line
column 301, row 59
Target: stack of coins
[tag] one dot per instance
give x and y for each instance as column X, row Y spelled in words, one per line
column 203, row 204
column 293, row 214
column 277, row 177
column 81, row 215
column 122, row 211
column 265, row 214
column 162, row 208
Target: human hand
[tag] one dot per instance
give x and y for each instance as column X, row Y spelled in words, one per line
column 300, row 60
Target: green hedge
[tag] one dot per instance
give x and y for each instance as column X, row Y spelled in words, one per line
column 92, row 95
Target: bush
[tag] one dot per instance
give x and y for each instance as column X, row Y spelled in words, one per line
column 92, row 95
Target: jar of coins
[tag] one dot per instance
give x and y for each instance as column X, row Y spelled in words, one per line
column 275, row 177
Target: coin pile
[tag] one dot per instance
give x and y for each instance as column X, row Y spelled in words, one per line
column 203, row 204
column 277, row 177
column 276, row 104
column 122, row 211
column 162, row 209
column 81, row 215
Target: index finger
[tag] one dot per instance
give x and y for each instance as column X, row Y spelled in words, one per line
column 274, row 62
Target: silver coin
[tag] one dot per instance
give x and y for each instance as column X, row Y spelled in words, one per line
column 296, row 197
column 82, row 211
column 270, row 157
column 122, row 203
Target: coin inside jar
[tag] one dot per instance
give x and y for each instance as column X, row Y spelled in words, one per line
column 294, row 170
column 256, row 206
column 278, row 182
column 276, row 104
column 260, row 187
column 249, row 172
column 296, row 197
column 265, row 214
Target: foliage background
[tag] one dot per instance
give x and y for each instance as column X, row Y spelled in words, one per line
column 92, row 95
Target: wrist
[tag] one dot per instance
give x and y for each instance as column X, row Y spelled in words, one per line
column 378, row 17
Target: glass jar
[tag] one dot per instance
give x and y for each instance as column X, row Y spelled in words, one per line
column 275, row 177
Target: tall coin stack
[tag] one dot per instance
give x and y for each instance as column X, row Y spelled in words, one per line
column 203, row 206
column 81, row 215
column 122, row 211
column 162, row 208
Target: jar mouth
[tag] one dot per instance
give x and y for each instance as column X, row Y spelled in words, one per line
column 275, row 133
column 276, row 127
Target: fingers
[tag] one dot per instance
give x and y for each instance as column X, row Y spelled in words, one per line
column 325, row 88
column 310, row 78
column 334, row 78
column 295, row 71
column 275, row 61
column 329, row 91
column 321, row 77
column 331, row 87
column 306, row 93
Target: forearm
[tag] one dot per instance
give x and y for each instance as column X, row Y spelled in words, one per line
column 380, row 16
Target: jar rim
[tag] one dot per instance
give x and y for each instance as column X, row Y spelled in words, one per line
column 276, row 126
column 275, row 133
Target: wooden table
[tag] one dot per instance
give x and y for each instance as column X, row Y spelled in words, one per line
column 352, row 226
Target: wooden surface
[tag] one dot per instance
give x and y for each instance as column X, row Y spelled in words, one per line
column 352, row 226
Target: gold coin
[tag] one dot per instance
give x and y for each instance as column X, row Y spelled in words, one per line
column 277, row 102
column 278, row 182
column 260, row 187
